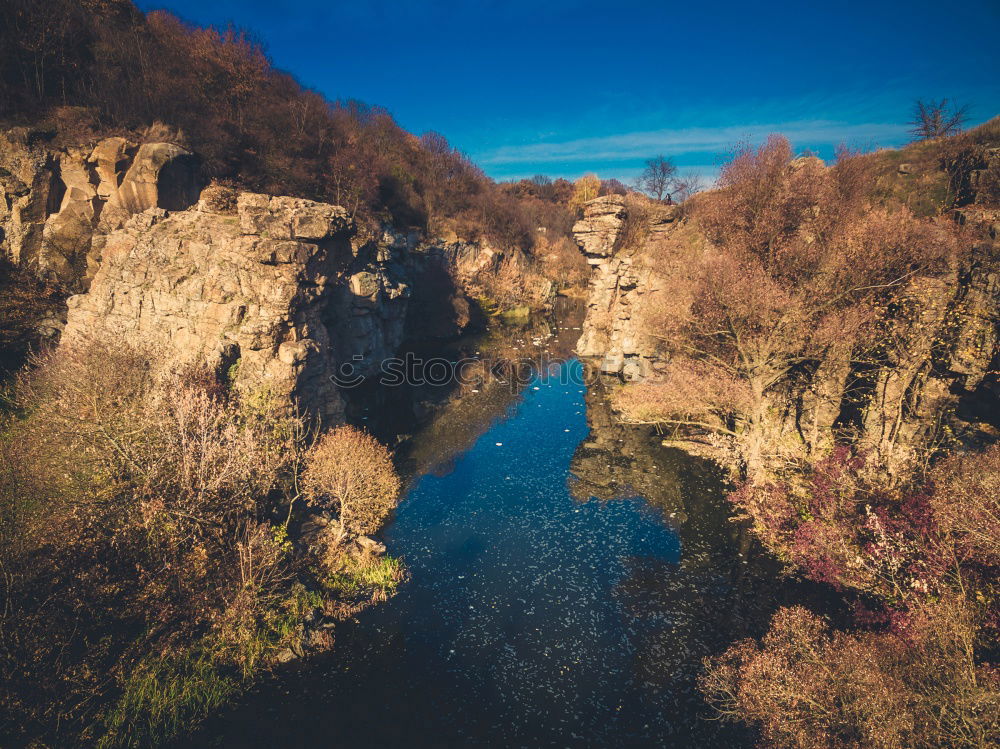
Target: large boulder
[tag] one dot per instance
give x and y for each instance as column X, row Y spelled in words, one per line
column 597, row 232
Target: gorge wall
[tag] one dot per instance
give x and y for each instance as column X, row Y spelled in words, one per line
column 941, row 372
column 275, row 294
column 58, row 204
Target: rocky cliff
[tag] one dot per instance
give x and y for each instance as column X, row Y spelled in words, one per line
column 273, row 293
column 941, row 372
column 619, row 281
column 58, row 204
column 246, row 292
column 277, row 294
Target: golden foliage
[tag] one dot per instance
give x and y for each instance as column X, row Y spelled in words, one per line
column 352, row 472
column 586, row 188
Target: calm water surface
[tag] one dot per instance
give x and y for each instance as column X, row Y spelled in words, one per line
column 536, row 614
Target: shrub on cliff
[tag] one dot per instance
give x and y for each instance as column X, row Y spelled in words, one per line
column 919, row 668
column 351, row 472
column 838, row 524
column 918, row 685
column 515, row 282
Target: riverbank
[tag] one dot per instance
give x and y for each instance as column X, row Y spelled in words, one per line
column 567, row 575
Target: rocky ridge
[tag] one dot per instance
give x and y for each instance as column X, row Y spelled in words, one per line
column 618, row 284
column 58, row 204
column 275, row 294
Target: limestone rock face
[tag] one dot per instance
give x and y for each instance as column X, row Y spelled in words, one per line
column 975, row 175
column 162, row 175
column 57, row 205
column 598, row 231
column 195, row 287
column 26, row 181
column 288, row 218
column 271, row 292
column 947, row 330
column 618, row 285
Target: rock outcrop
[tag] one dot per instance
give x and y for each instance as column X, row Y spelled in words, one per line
column 618, row 284
column 276, row 294
column 244, row 293
column 944, row 359
column 58, row 204
column 272, row 293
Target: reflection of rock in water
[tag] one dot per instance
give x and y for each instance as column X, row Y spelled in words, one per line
column 622, row 460
column 724, row 587
column 616, row 460
column 432, row 424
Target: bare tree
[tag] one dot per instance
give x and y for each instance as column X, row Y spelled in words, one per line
column 934, row 119
column 739, row 323
column 685, row 187
column 658, row 178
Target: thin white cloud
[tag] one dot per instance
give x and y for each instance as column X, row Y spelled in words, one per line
column 708, row 172
column 676, row 142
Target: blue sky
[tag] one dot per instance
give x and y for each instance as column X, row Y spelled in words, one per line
column 564, row 87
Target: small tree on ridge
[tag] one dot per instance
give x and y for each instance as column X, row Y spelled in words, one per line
column 933, row 119
column 659, row 177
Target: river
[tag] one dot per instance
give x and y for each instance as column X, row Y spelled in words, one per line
column 567, row 574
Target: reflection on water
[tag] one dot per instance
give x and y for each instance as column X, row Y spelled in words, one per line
column 568, row 575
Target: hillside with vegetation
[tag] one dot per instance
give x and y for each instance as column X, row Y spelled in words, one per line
column 201, row 259
column 77, row 71
column 830, row 334
column 172, row 521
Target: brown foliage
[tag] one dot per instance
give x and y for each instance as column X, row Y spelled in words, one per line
column 926, row 559
column 562, row 262
column 217, row 91
column 135, row 520
column 516, row 281
column 352, row 472
column 800, row 263
column 691, row 391
column 807, row 687
column 966, row 504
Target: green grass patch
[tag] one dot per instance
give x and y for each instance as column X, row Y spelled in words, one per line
column 360, row 575
column 164, row 696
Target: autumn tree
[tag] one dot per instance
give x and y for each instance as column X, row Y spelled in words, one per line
column 807, row 686
column 935, row 119
column 351, row 472
column 791, row 280
column 925, row 559
column 586, row 188
column 687, row 186
column 659, row 178
column 613, row 187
